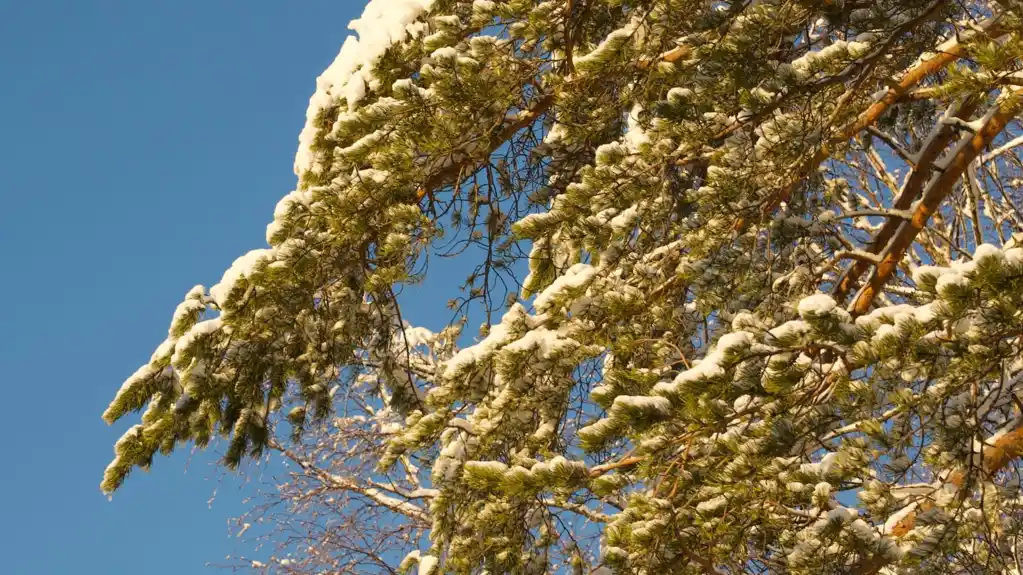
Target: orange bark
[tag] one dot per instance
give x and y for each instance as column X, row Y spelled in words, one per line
column 929, row 204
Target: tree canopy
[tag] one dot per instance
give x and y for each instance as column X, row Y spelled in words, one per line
column 750, row 279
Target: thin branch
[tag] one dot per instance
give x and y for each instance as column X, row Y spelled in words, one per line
column 521, row 120
column 892, row 145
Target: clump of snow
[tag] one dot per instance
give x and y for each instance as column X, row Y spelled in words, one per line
column 140, row 376
column 382, row 23
column 163, row 351
column 642, row 404
column 547, row 344
column 897, row 518
column 574, row 278
column 742, row 403
column 987, row 251
column 789, row 330
column 949, row 280
column 817, row 305
column 711, row 365
column 921, row 273
column 428, row 565
column 494, row 467
column 712, row 505
column 444, row 53
column 187, row 310
column 611, row 44
column 826, row 464
column 198, row 330
column 806, row 65
column 625, row 220
column 484, row 5
column 499, row 335
column 301, row 197
column 241, row 268
column 679, row 94
column 636, row 137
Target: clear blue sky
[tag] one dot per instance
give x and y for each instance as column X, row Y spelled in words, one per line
column 143, row 146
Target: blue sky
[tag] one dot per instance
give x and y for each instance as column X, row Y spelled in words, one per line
column 143, row 146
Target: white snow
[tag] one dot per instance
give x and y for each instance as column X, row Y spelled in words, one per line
column 499, row 335
column 742, row 403
column 921, row 272
column 190, row 305
column 635, row 137
column 303, row 197
column 412, row 557
column 816, row 305
column 198, row 330
column 392, row 503
column 613, row 42
column 383, row 22
column 242, row 267
column 483, row 6
column 495, row 467
column 141, row 374
column 897, row 517
column 985, row 251
column 712, row 505
column 805, row 64
column 625, row 220
column 642, row 403
column 427, row 565
column 710, row 366
column 793, row 328
column 679, row 94
column 546, row 342
column 574, row 278
column 163, row 350
column 444, row 53
column 823, row 467
column 949, row 280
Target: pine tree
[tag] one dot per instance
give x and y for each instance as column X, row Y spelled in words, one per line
column 750, row 275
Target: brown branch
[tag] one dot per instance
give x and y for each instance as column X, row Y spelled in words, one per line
column 907, row 195
column 626, row 462
column 996, row 456
column 858, row 69
column 676, row 53
column 868, row 117
column 569, row 66
column 935, row 193
column 1010, row 445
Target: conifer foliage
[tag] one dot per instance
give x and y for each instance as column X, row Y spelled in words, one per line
column 749, row 273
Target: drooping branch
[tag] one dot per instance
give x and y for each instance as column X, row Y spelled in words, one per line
column 1009, row 445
